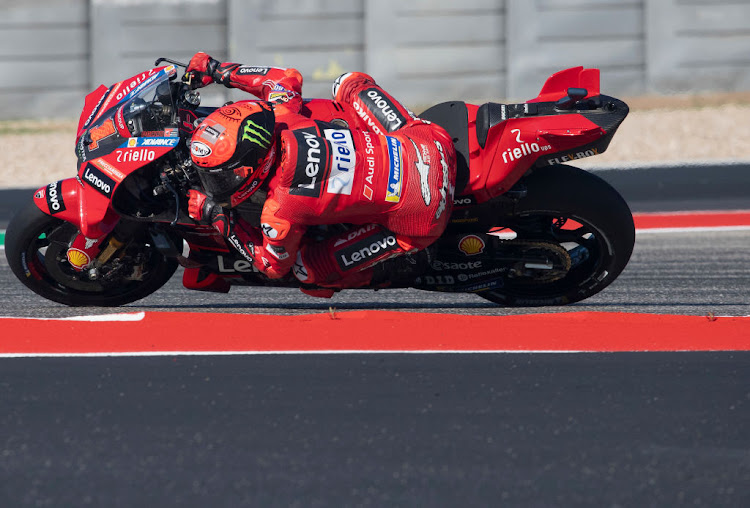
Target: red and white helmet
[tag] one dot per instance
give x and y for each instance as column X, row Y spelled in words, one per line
column 233, row 149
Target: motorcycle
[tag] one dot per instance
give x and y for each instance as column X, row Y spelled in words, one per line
column 527, row 229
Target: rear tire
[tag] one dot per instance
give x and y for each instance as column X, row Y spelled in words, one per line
column 603, row 242
column 35, row 246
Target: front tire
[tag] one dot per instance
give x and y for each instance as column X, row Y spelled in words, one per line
column 599, row 237
column 36, row 244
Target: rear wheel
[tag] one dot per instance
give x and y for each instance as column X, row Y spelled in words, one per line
column 36, row 245
column 576, row 221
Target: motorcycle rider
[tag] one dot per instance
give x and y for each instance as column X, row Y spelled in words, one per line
column 389, row 175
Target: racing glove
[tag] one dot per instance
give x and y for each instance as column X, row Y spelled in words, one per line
column 206, row 70
column 201, row 69
column 204, row 210
column 247, row 241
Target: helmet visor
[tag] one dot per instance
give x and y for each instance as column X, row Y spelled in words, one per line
column 220, row 185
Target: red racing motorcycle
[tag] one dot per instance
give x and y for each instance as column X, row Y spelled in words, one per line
column 527, row 229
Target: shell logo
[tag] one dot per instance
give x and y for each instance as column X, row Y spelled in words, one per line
column 77, row 258
column 471, row 245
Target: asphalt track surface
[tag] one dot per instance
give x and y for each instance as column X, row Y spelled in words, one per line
column 471, row 429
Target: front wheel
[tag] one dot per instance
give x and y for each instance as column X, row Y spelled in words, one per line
column 586, row 229
column 36, row 245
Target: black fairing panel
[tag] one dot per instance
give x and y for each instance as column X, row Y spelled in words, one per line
column 454, row 117
column 488, row 115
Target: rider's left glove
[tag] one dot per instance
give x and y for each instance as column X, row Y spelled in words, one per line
column 203, row 209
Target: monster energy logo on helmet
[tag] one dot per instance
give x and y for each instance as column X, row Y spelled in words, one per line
column 256, row 133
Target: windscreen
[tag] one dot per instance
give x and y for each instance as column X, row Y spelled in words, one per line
column 139, row 107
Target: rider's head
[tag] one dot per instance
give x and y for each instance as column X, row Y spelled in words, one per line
column 233, row 149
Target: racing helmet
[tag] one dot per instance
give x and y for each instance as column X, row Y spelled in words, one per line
column 233, row 150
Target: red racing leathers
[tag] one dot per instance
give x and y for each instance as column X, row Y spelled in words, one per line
column 390, row 175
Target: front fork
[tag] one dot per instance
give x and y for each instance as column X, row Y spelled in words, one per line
column 90, row 254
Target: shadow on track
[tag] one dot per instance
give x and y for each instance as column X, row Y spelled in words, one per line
column 438, row 306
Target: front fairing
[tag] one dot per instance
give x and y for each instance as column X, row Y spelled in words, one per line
column 129, row 114
column 122, row 128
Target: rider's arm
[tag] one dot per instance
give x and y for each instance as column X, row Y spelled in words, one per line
column 377, row 110
column 281, row 240
column 272, row 249
column 272, row 84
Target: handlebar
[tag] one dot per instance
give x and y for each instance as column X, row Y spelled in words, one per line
column 169, row 60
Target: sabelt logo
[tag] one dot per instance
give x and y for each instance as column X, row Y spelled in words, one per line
column 99, row 181
column 200, row 150
column 55, row 201
column 366, row 250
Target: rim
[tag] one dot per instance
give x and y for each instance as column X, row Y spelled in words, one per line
column 586, row 248
column 45, row 257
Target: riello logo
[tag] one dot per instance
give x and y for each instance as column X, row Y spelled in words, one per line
column 523, row 149
column 512, row 154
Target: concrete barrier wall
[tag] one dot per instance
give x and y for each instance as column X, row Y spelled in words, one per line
column 44, row 57
column 52, row 52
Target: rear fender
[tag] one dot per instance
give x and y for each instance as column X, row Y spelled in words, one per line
column 515, row 145
column 78, row 204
